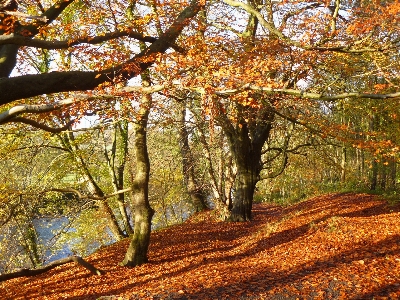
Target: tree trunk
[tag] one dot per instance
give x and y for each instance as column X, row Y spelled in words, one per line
column 343, row 161
column 247, row 138
column 374, row 175
column 374, row 164
column 197, row 196
column 246, row 146
column 68, row 141
column 140, row 240
column 383, row 177
column 103, row 204
column 248, row 170
column 246, row 181
column 393, row 173
column 117, row 172
column 112, row 222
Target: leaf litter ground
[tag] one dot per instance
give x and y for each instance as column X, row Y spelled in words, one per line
column 337, row 246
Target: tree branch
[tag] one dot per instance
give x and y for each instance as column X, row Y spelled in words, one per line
column 11, row 213
column 17, row 110
column 32, row 272
column 82, row 196
column 55, row 82
column 23, row 15
column 41, row 126
column 54, row 11
column 271, row 91
column 270, row 26
column 43, row 44
column 304, row 94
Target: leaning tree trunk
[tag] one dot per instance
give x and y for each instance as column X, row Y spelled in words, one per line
column 68, row 141
column 140, row 240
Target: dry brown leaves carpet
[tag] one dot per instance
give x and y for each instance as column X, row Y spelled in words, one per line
column 337, row 246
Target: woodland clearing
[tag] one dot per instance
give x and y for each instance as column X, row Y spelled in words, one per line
column 335, row 246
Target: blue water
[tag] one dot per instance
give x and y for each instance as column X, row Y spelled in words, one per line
column 46, row 229
column 49, row 230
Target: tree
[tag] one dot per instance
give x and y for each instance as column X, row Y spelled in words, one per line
column 55, row 22
column 268, row 61
column 196, row 193
column 252, row 68
column 17, row 35
column 138, row 247
column 69, row 143
column 116, row 159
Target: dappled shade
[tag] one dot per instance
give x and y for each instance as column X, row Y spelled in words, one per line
column 339, row 246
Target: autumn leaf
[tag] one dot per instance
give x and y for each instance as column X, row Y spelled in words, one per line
column 344, row 243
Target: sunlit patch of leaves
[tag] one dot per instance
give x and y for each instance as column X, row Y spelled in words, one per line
column 337, row 246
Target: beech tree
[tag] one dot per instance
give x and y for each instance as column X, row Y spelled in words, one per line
column 250, row 63
column 17, row 34
column 76, row 30
column 264, row 61
column 196, row 192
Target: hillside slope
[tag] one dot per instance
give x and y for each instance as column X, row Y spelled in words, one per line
column 337, row 246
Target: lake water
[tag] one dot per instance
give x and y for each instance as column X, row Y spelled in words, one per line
column 48, row 227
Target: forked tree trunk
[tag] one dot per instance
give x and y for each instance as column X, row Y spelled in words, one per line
column 248, row 165
column 140, row 240
column 246, row 139
column 246, row 147
column 117, row 172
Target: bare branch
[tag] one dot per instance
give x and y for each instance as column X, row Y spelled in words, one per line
column 33, row 272
column 12, row 113
column 23, row 15
column 304, row 94
column 280, row 170
column 29, row 42
column 41, row 126
column 82, row 196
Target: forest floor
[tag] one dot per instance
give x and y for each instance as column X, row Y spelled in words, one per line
column 336, row 246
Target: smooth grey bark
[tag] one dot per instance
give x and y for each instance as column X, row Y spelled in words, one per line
column 116, row 162
column 138, row 248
